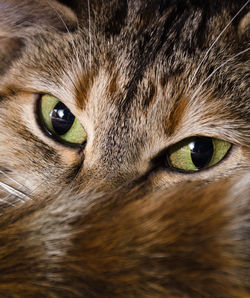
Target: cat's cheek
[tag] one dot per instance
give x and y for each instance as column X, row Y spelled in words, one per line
column 27, row 155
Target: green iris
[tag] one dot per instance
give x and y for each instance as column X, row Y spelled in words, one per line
column 197, row 153
column 60, row 122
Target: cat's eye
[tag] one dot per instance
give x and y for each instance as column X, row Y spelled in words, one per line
column 197, row 153
column 60, row 122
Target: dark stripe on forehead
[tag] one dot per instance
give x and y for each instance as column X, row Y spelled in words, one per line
column 107, row 17
column 8, row 91
column 176, row 115
column 146, row 43
column 82, row 89
column 113, row 87
column 149, row 95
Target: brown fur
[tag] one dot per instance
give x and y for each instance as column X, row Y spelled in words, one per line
column 112, row 218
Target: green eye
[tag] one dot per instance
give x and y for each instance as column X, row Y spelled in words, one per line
column 197, row 153
column 60, row 122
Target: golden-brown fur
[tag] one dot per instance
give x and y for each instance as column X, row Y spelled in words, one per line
column 112, row 218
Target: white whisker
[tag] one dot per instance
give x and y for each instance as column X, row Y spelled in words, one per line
column 66, row 27
column 217, row 38
column 59, row 16
column 13, row 180
column 75, row 59
column 13, row 191
column 5, row 201
column 90, row 37
column 212, row 73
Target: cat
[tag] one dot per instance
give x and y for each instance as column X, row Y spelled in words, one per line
column 124, row 148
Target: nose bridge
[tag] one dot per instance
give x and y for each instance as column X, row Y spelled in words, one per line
column 118, row 130
column 116, row 148
column 120, row 147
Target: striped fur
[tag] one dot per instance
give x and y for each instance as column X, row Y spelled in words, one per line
column 112, row 219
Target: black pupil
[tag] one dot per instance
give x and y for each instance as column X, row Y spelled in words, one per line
column 61, row 118
column 201, row 151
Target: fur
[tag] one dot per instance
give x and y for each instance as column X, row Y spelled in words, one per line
column 112, row 218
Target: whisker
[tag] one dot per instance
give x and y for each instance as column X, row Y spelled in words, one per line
column 73, row 42
column 215, row 41
column 90, row 37
column 216, row 69
column 4, row 201
column 14, row 195
column 13, row 180
column 13, row 191
column 59, row 16
column 66, row 27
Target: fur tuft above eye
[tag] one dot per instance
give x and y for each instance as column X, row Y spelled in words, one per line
column 59, row 122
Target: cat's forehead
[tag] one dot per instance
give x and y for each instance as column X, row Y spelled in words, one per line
column 162, row 43
column 140, row 76
column 155, row 66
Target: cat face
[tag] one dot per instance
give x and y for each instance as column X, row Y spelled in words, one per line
column 124, row 148
column 151, row 82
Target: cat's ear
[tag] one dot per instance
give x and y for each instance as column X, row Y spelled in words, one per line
column 20, row 19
